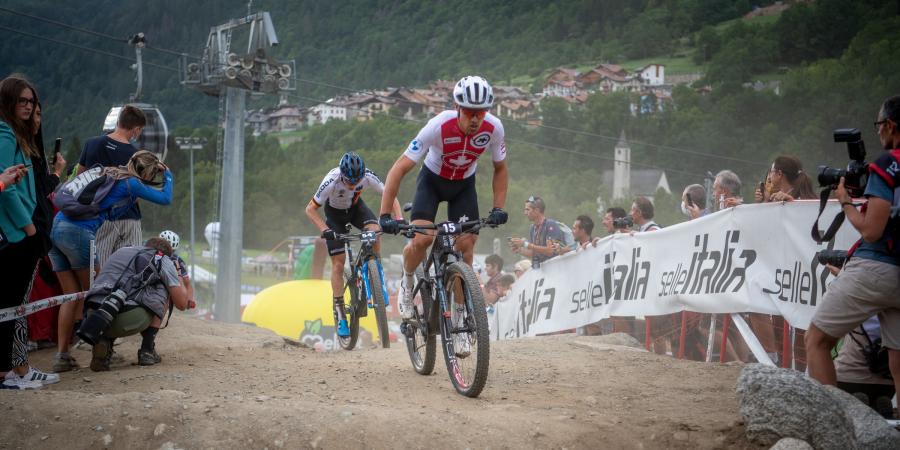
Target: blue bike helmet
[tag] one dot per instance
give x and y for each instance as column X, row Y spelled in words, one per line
column 352, row 167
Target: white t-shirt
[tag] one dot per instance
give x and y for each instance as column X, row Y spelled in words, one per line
column 452, row 154
column 334, row 192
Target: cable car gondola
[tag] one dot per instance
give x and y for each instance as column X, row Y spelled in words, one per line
column 155, row 137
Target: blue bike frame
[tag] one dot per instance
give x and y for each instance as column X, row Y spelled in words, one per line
column 364, row 268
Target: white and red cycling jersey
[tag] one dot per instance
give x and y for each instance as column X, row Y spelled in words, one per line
column 334, row 192
column 451, row 153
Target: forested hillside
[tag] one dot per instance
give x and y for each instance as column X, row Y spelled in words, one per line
column 835, row 61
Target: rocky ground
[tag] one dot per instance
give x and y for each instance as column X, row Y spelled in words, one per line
column 235, row 386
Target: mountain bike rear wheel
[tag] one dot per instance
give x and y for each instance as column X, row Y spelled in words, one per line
column 467, row 354
column 422, row 346
column 351, row 313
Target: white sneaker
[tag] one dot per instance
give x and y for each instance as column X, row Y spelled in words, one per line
column 406, row 306
column 461, row 345
column 18, row 382
column 35, row 375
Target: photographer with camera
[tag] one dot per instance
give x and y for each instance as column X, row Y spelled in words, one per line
column 869, row 283
column 133, row 290
column 616, row 220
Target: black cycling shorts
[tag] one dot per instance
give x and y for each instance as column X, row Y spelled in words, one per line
column 359, row 215
column 431, row 189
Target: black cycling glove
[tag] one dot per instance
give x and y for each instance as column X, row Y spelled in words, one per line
column 388, row 224
column 498, row 216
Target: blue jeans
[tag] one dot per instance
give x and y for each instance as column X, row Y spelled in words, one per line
column 71, row 246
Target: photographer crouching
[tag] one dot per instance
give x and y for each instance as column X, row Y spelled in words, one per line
column 869, row 283
column 131, row 295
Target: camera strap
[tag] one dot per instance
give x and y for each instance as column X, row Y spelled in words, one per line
column 864, row 333
column 835, row 224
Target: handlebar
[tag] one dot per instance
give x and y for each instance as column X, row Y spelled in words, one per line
column 446, row 228
column 361, row 236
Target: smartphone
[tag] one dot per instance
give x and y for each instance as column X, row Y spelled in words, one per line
column 762, row 191
column 688, row 201
column 57, row 147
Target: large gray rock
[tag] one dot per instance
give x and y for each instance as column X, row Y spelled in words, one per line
column 870, row 429
column 791, row 444
column 779, row 403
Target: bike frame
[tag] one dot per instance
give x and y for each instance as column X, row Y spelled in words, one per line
column 360, row 266
column 442, row 254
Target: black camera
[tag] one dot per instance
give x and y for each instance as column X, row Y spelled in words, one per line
column 98, row 320
column 857, row 172
column 623, row 222
column 836, row 258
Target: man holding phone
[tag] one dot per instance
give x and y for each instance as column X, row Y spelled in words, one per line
column 693, row 201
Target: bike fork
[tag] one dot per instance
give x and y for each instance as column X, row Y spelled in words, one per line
column 368, row 282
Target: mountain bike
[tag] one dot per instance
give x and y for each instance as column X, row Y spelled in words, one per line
column 452, row 305
column 364, row 278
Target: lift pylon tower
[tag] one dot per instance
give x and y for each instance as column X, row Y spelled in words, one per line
column 223, row 73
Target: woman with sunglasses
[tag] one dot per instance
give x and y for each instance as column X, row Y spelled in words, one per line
column 19, row 243
column 450, row 143
column 786, row 182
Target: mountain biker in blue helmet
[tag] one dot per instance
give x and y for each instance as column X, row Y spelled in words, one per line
column 340, row 194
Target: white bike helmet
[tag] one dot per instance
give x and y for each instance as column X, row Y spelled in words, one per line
column 172, row 237
column 473, row 92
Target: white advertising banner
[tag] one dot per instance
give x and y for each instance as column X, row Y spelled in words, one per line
column 752, row 258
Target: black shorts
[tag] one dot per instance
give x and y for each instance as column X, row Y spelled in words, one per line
column 431, row 189
column 359, row 215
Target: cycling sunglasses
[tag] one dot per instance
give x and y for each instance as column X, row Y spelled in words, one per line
column 476, row 113
column 349, row 181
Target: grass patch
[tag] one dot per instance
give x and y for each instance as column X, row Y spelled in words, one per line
column 757, row 20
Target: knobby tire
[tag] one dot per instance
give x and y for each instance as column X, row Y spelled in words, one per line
column 351, row 312
column 472, row 384
column 375, row 285
column 422, row 348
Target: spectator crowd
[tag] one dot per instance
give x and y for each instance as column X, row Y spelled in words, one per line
column 51, row 228
column 837, row 331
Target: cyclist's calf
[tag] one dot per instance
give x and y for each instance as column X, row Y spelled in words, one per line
column 415, row 251
column 466, row 245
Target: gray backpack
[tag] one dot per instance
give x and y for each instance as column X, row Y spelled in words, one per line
column 80, row 197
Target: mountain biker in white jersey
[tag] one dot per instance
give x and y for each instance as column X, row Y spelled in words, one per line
column 339, row 193
column 451, row 142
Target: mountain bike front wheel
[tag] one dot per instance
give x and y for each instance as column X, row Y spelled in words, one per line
column 468, row 352
column 376, row 287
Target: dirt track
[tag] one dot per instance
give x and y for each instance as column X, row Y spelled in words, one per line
column 234, row 386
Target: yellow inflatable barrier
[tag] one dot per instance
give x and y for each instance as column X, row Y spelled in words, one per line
column 301, row 309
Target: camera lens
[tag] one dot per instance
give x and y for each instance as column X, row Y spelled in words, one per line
column 829, row 176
